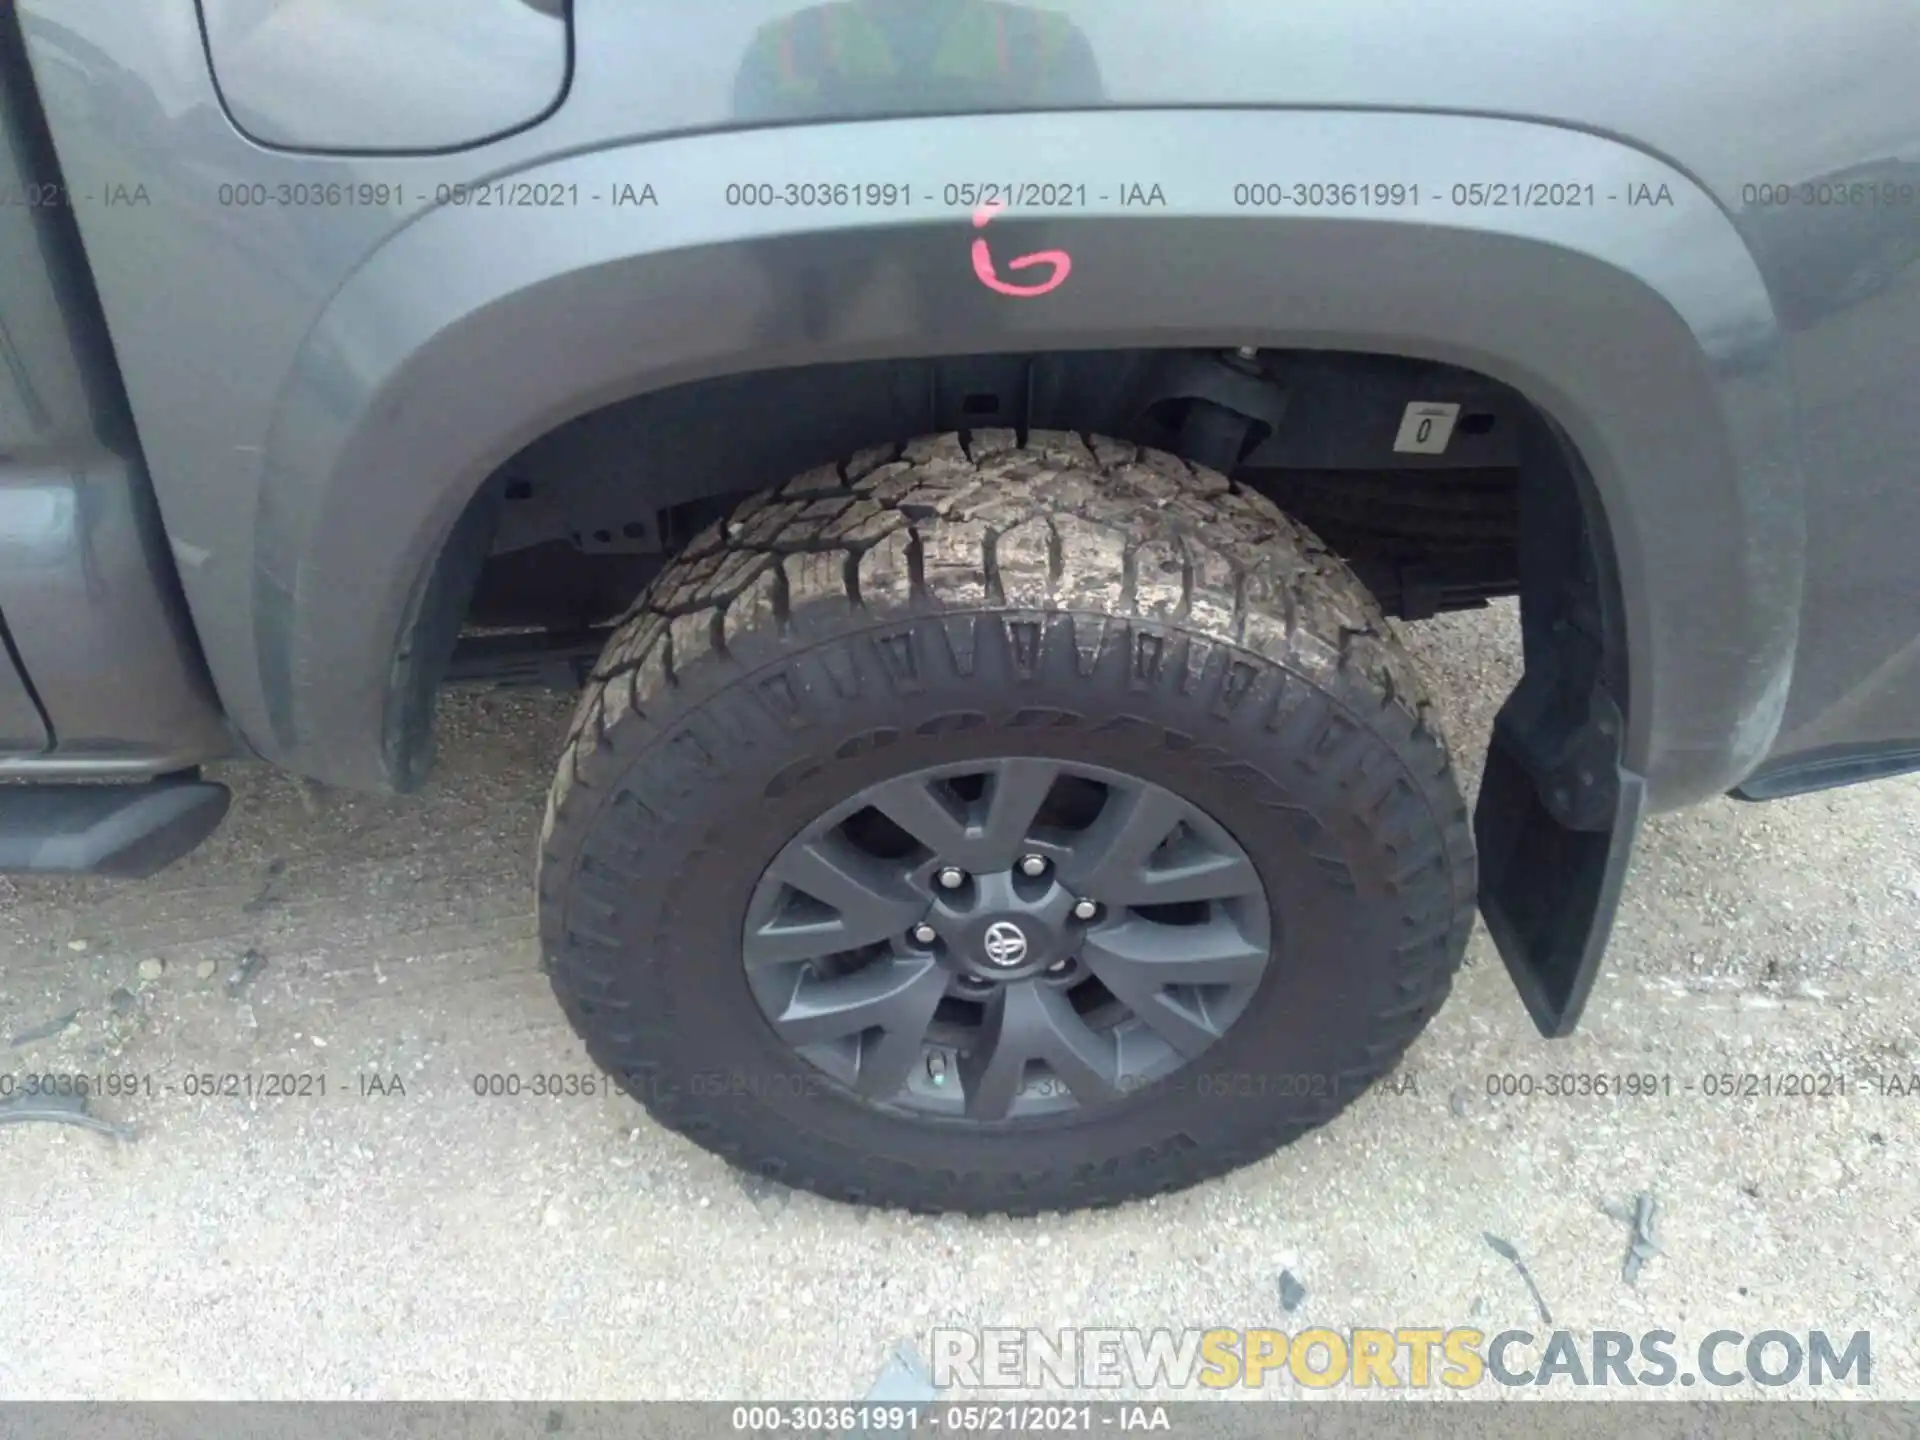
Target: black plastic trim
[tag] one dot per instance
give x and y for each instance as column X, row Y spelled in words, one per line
column 1558, row 809
column 1549, row 893
column 127, row 832
column 431, row 632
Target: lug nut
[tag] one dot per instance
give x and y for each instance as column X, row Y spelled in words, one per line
column 1085, row 909
column 1060, row 967
column 924, row 934
column 1033, row 865
column 952, row 878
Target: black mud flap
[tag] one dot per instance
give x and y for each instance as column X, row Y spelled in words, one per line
column 1548, row 892
column 1558, row 809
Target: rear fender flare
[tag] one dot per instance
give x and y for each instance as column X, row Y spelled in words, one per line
column 1643, row 330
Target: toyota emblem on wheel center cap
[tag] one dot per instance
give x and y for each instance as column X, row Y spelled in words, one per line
column 1005, row 943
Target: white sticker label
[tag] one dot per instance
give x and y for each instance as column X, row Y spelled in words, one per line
column 1426, row 428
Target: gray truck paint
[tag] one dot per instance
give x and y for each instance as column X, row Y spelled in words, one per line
column 426, row 75
column 321, row 388
column 23, row 729
column 97, row 622
column 91, row 607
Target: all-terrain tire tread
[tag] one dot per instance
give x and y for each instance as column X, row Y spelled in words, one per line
column 1059, row 522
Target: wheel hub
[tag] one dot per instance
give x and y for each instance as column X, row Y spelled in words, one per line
column 1004, row 926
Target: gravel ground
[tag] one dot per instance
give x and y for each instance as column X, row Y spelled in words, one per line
column 403, row 1237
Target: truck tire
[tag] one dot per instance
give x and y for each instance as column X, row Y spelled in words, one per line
column 989, row 827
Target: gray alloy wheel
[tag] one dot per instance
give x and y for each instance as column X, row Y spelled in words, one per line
column 1004, row 939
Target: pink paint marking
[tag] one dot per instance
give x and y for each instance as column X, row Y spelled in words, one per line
column 983, row 261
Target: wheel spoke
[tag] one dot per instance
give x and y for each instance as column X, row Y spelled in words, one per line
column 1138, row 960
column 1206, row 875
column 1110, row 857
column 1212, row 954
column 897, row 997
column 873, row 905
column 776, row 944
column 890, row 1056
column 1014, row 796
column 912, row 805
column 992, row 837
column 1026, row 1022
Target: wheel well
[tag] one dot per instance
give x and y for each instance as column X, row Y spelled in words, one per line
column 573, row 526
column 589, row 511
column 569, row 531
